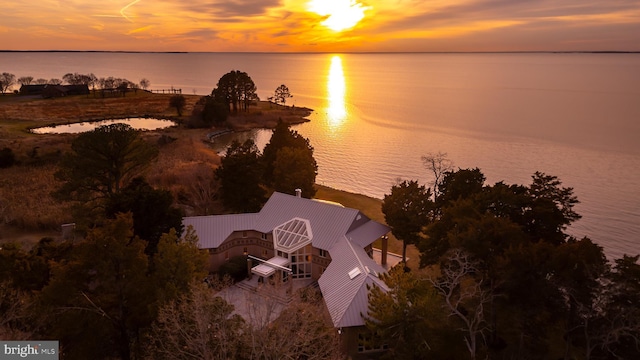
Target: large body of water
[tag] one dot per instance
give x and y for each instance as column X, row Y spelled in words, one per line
column 576, row 116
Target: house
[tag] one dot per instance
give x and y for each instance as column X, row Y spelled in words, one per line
column 80, row 89
column 36, row 89
column 294, row 238
column 53, row 91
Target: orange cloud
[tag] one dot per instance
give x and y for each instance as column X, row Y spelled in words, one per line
column 303, row 25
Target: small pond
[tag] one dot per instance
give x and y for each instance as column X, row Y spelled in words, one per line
column 74, row 128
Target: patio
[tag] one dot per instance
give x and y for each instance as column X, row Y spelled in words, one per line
column 258, row 303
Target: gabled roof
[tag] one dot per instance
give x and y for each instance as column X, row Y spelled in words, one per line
column 213, row 230
column 363, row 234
column 32, row 89
column 345, row 282
column 328, row 221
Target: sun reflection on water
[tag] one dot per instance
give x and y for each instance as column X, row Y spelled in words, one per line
column 336, row 88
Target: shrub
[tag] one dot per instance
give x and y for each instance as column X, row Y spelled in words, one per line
column 236, row 268
column 178, row 102
column 7, row 158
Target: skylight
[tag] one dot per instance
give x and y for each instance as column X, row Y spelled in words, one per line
column 353, row 273
column 292, row 235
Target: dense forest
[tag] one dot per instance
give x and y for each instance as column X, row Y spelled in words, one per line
column 500, row 278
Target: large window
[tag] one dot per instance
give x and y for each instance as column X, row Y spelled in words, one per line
column 368, row 341
column 301, row 263
column 292, row 240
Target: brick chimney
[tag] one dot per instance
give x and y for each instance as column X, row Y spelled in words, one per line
column 384, row 251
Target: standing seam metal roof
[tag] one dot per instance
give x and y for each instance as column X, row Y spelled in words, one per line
column 343, row 232
column 213, row 230
column 346, row 297
column 328, row 222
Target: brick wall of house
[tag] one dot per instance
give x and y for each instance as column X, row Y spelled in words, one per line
column 241, row 243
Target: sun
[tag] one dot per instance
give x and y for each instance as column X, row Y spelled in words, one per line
column 340, row 14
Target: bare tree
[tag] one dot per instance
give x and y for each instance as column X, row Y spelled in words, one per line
column 54, row 81
column 92, row 81
column 144, row 83
column 14, row 307
column 201, row 190
column 25, row 80
column 464, row 296
column 41, row 81
column 79, row 79
column 438, row 164
column 609, row 321
column 302, row 330
column 263, row 306
column 6, row 81
column 199, row 325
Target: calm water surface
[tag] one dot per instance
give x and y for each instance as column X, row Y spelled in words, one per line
column 76, row 128
column 576, row 116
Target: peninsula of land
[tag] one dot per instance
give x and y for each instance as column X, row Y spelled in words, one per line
column 185, row 158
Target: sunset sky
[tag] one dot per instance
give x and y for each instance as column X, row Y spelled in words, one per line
column 321, row 25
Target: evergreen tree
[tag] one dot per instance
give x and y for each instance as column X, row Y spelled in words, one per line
column 295, row 168
column 103, row 161
column 240, row 175
column 407, row 318
column 303, row 169
column 100, row 298
column 103, row 299
column 407, row 209
column 236, row 90
column 152, row 210
column 281, row 94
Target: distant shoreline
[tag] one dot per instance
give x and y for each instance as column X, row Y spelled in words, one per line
column 327, row 52
column 95, row 51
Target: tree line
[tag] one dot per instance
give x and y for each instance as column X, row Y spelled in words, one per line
column 8, row 80
column 500, row 276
